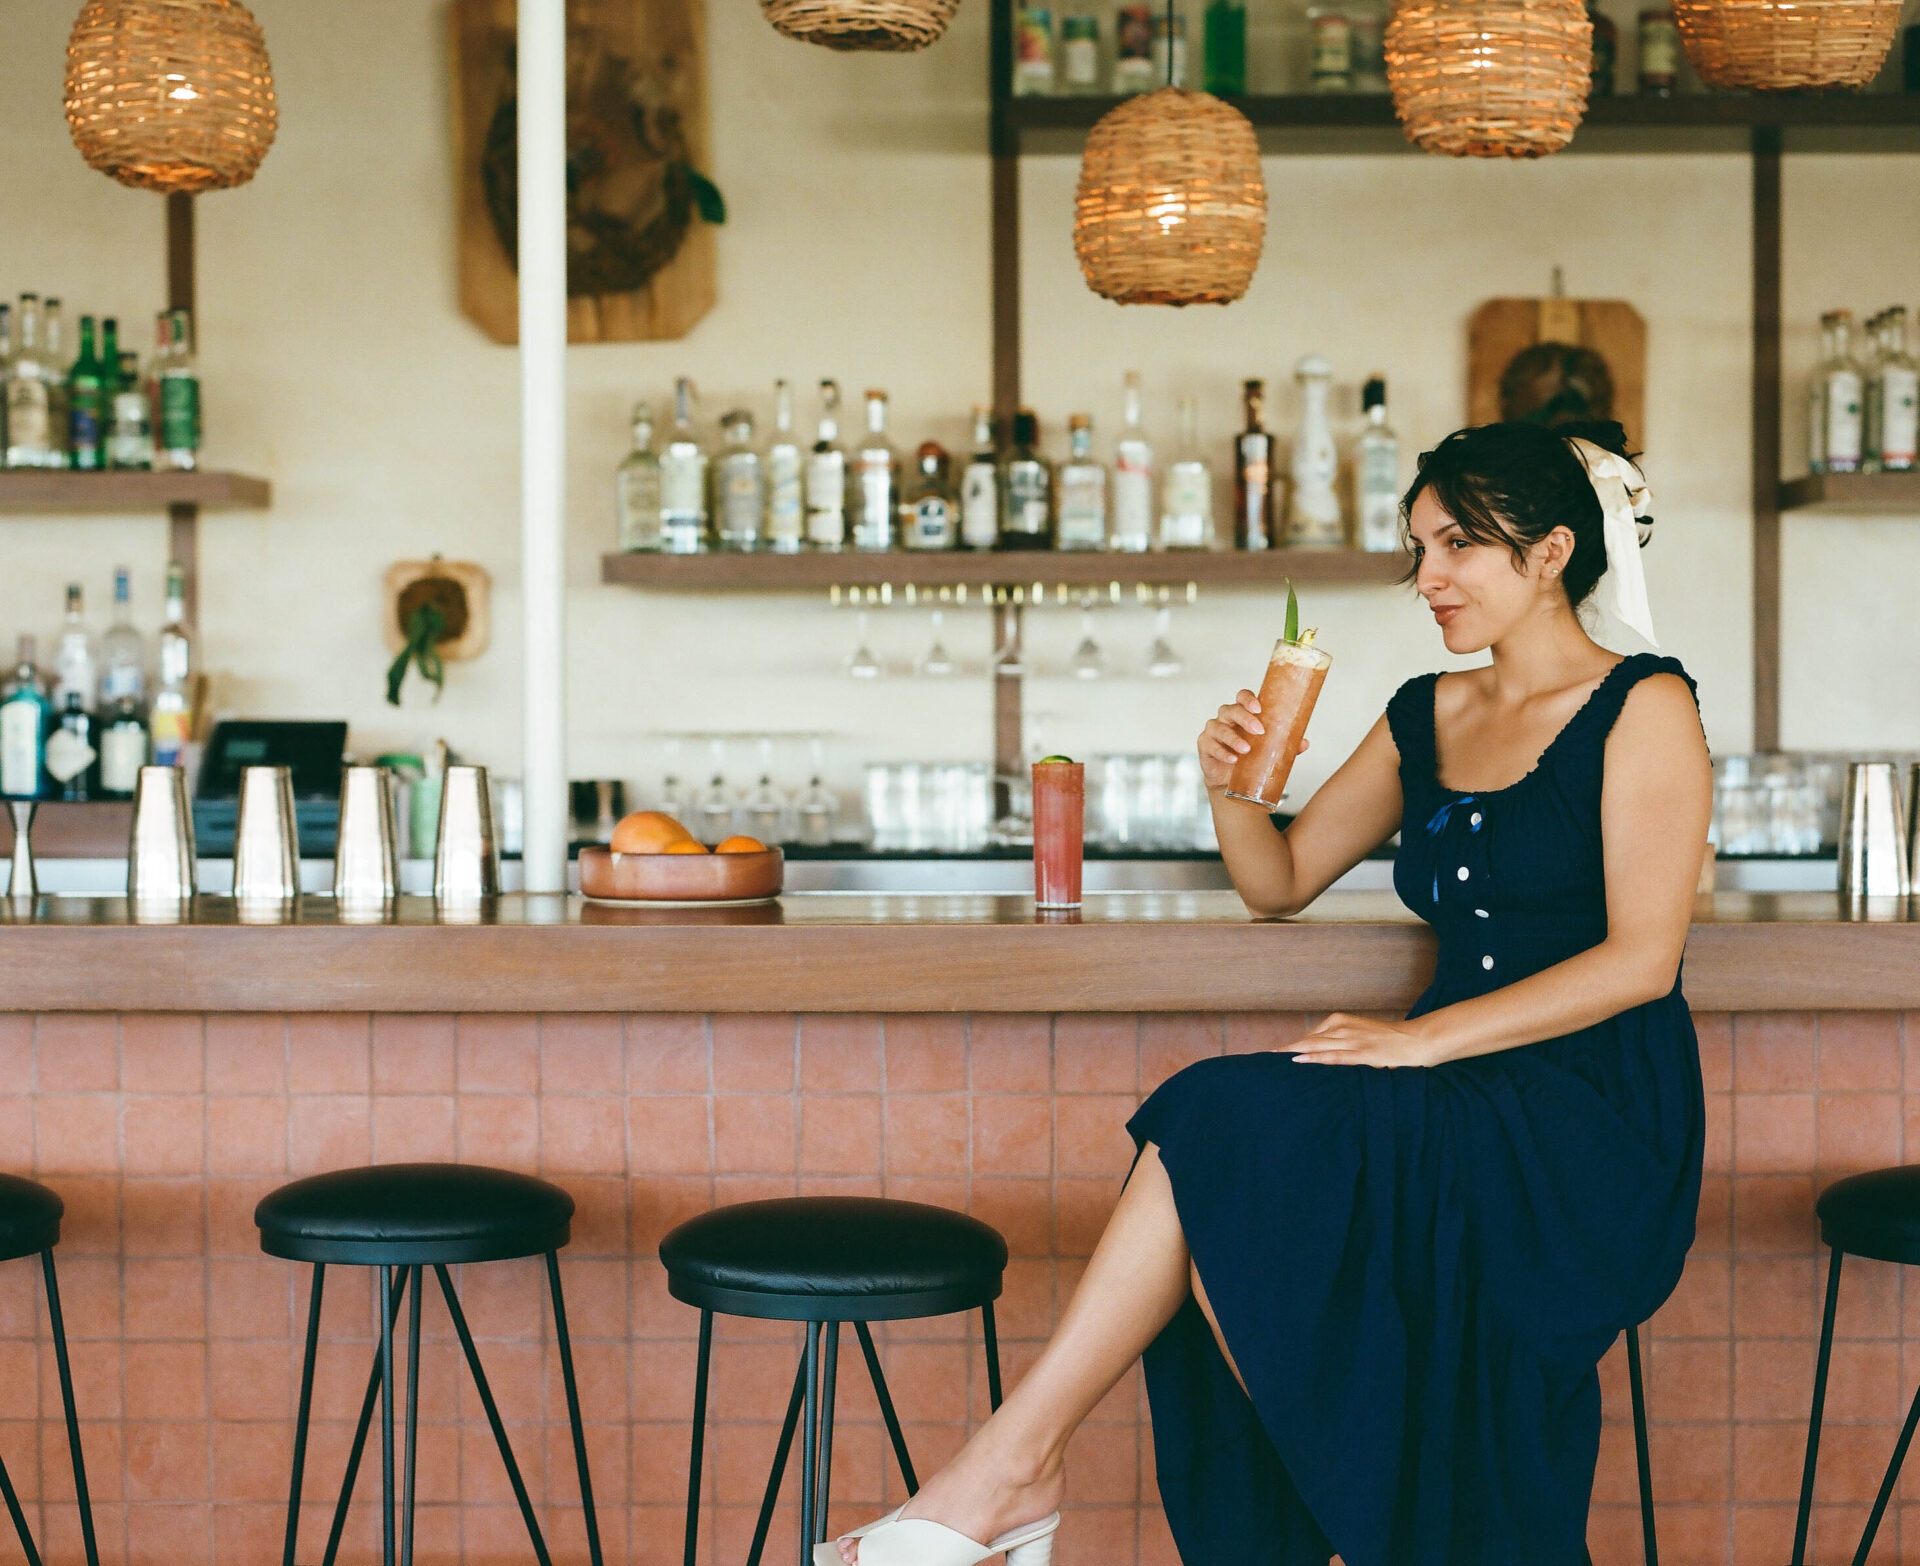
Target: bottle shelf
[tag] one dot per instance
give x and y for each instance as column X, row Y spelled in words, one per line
column 43, row 491
column 1835, row 494
column 815, row 571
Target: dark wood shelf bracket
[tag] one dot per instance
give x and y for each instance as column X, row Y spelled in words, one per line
column 1766, row 396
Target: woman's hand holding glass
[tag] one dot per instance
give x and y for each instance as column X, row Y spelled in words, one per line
column 1224, row 740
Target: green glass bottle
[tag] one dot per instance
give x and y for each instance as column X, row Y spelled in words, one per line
column 1226, row 47
column 87, row 404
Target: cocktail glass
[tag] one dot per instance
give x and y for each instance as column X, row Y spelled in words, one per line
column 1059, row 832
column 1287, row 694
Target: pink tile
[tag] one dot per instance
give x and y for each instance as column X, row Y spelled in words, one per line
column 166, row 1297
column 246, row 1053
column 329, row 1053
column 79, row 1052
column 1857, row 1131
column 926, row 1053
column 927, row 1134
column 667, row 1053
column 583, row 1053
column 1013, row 1134
column 839, row 1053
column 164, row 1135
column 840, row 1134
column 1020, row 1208
column 1010, row 1052
column 412, row 1054
column 1859, row 1051
column 1773, row 1133
column 162, row 1053
column 413, row 1128
column 1251, row 1031
column 329, row 1131
column 247, row 1135
column 670, row 1135
column 754, row 1053
column 1715, row 1032
column 1773, row 1052
column 1171, row 1040
column 583, row 1135
column 16, row 1050
column 1091, row 1134
column 1095, row 1053
column 754, row 1133
column 497, row 1054
column 77, row 1134
column 497, row 1128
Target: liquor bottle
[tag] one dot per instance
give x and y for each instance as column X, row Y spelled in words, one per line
column 1872, row 351
column 179, row 423
column 130, row 442
column 1132, row 476
column 1225, row 46
column 1377, row 473
column 1253, row 474
column 1898, row 398
column 636, row 488
column 6, row 365
column 683, row 481
column 827, row 476
column 1080, row 48
column 1330, row 55
column 59, row 393
column 25, row 717
column 740, row 484
column 929, row 513
column 1133, row 48
column 29, row 396
column 123, row 749
column 1840, row 387
column 980, row 487
column 1083, row 490
column 876, row 487
column 87, row 404
column 1659, row 52
column 72, row 760
column 171, row 721
column 1032, row 49
column 786, row 524
column 1817, row 400
column 123, row 651
column 1026, row 516
column 1606, row 51
column 73, row 658
column 1314, row 520
column 1186, row 503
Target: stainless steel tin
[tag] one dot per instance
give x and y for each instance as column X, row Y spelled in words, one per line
column 1873, row 833
column 366, row 859
column 1913, row 829
column 160, row 859
column 466, row 857
column 266, row 845
column 22, row 884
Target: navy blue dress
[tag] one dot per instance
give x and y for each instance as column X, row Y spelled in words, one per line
column 1418, row 1269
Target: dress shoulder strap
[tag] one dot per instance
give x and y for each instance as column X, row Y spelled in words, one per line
column 1410, row 719
column 1602, row 710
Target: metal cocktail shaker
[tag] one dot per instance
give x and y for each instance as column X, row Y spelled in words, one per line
column 22, row 884
column 466, row 858
column 160, row 859
column 366, row 861
column 1913, row 830
column 266, row 846
column 1873, row 834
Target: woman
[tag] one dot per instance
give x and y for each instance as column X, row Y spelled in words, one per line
column 1371, row 1301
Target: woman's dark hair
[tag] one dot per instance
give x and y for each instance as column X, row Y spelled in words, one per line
column 1514, row 483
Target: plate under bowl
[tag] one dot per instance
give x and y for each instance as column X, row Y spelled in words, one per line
column 681, row 878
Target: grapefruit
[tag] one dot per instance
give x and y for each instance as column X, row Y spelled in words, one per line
column 740, row 843
column 685, row 846
column 648, row 832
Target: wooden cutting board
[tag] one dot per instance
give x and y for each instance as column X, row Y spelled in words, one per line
column 1611, row 329
column 636, row 102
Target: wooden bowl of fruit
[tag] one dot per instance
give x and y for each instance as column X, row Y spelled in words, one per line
column 654, row 859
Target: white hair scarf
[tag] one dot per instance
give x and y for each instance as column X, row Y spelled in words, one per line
column 1622, row 490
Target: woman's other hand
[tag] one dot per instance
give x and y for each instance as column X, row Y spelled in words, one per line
column 1346, row 1040
column 1228, row 737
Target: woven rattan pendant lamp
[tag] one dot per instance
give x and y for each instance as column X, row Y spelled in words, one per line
column 1784, row 45
column 1171, row 207
column 893, row 26
column 1490, row 78
column 170, row 95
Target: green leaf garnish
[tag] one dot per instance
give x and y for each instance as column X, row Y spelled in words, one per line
column 1293, row 613
column 707, row 198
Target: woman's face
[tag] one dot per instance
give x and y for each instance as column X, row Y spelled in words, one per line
column 1478, row 593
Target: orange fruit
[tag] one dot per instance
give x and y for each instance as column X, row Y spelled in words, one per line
column 685, row 846
column 648, row 832
column 740, row 843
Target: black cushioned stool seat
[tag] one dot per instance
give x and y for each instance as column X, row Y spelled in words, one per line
column 30, row 1216
column 1875, row 1214
column 403, row 1219
column 823, row 1260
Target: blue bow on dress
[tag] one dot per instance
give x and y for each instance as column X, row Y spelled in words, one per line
column 1438, row 825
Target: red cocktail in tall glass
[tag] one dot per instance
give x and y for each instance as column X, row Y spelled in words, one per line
column 1059, row 831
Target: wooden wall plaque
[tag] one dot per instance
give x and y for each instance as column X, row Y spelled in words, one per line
column 1611, row 329
column 636, row 123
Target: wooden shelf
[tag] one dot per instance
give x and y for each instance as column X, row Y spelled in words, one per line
column 813, row 572
column 45, row 491
column 1836, row 494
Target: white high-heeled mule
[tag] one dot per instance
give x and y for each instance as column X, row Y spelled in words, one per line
column 914, row 1541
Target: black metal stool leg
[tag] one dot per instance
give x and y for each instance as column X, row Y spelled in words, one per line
column 993, row 1360
column 493, row 1415
column 564, row 1340
column 779, row 1469
column 304, row 1417
column 886, row 1407
column 19, row 1517
column 413, row 1414
column 827, row 1377
column 810, row 1444
column 1819, row 1402
column 58, row 1323
column 1887, row 1483
column 359, row 1447
column 699, row 1434
column 1649, row 1544
column 387, row 1304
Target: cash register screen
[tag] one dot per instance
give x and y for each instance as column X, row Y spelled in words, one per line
column 312, row 749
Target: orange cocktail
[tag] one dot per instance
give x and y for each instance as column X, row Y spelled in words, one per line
column 1287, row 695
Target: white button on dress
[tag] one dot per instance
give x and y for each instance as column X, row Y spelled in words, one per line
column 1480, row 913
column 1474, row 819
column 1461, row 872
column 1486, row 962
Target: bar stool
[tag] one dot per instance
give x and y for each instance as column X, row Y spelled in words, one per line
column 30, row 1225
column 401, row 1219
column 823, row 1261
column 1877, row 1215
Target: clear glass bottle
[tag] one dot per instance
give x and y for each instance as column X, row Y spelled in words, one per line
column 929, row 510
column 1225, row 46
column 130, row 441
column 87, row 383
column 171, row 721
column 1083, row 490
column 876, row 485
column 636, row 488
column 1899, row 398
column 980, row 487
column 827, row 476
column 1817, row 400
column 786, row 525
column 683, row 480
column 179, row 421
column 59, row 393
column 1253, row 473
column 741, row 483
column 1330, row 63
column 1026, row 517
column 1186, row 502
column 1133, row 48
column 1376, row 462
column 1133, row 501
column 123, row 748
column 29, row 397
column 1840, row 385
column 1314, row 518
column 1871, row 348
column 1606, row 51
column 123, row 650
column 72, row 757
column 1033, row 48
column 1080, row 48
column 25, row 717
column 73, row 656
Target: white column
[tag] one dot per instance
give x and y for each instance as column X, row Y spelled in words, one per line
column 543, row 437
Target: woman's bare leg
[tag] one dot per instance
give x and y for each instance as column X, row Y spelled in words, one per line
column 1011, row 1471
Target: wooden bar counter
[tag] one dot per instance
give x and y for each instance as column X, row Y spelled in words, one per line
column 939, row 1048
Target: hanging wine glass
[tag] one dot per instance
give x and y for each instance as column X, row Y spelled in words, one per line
column 1089, row 662
column 862, row 665
column 766, row 811
column 670, row 801
column 937, row 663
column 1007, row 657
column 819, row 806
column 716, row 805
column 1163, row 663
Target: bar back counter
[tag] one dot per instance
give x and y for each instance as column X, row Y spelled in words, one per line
column 162, row 1077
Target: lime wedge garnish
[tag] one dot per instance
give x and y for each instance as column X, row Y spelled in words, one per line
column 1048, row 760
